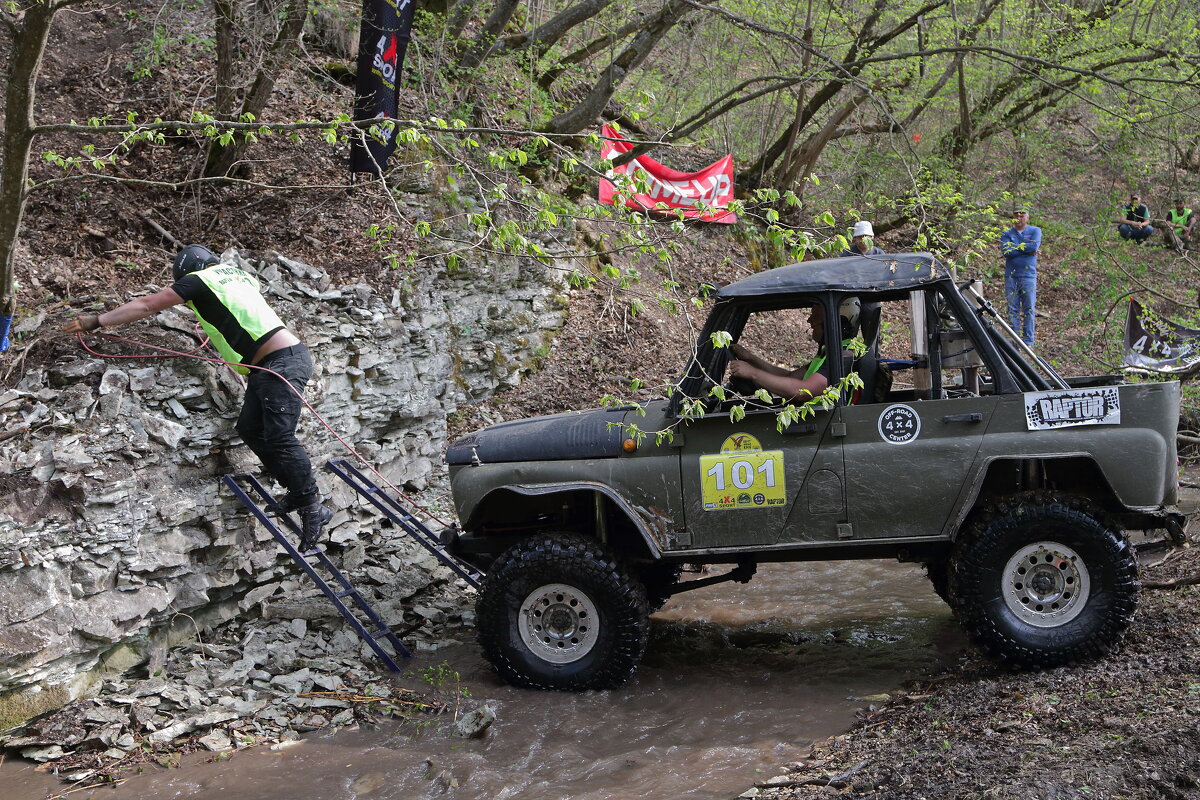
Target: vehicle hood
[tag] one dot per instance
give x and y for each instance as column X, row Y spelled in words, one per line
column 574, row 435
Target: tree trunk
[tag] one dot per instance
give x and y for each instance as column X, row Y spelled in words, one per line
column 590, row 49
column 223, row 158
column 588, row 109
column 486, row 40
column 226, row 94
column 546, row 35
column 25, row 60
column 807, row 156
column 458, row 18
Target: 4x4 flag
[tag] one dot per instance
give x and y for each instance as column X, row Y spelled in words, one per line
column 701, row 195
column 1156, row 344
column 382, row 40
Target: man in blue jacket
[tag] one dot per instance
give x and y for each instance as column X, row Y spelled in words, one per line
column 1019, row 245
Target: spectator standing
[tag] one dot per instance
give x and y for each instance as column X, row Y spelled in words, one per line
column 1180, row 221
column 1020, row 245
column 1135, row 224
column 863, row 242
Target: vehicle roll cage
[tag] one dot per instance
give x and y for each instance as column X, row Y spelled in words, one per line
column 1014, row 366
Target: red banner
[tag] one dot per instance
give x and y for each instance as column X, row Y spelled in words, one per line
column 669, row 189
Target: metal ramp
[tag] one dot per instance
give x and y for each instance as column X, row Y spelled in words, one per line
column 341, row 587
column 391, row 508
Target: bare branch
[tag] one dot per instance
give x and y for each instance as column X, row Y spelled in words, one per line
column 640, row 18
column 546, row 35
column 589, row 108
column 486, row 40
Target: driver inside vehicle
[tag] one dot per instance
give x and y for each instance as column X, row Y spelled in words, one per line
column 807, row 382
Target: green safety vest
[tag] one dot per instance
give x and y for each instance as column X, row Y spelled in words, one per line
column 238, row 292
column 1178, row 220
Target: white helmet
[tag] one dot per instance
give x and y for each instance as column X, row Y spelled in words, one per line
column 849, row 311
column 863, row 228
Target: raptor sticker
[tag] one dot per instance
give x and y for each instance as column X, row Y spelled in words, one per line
column 742, row 476
column 899, row 424
column 1070, row 407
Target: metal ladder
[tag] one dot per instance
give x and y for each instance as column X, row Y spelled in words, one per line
column 335, row 594
column 390, row 507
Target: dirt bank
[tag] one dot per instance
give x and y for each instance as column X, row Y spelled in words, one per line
column 1122, row 727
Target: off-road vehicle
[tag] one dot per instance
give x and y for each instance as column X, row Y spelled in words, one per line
column 1013, row 486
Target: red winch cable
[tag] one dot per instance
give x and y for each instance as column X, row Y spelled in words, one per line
column 166, row 352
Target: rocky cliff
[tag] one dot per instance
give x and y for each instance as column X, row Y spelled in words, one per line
column 116, row 537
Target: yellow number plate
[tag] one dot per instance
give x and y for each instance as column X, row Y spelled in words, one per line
column 742, row 480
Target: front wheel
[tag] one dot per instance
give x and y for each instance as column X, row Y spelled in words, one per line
column 557, row 611
column 1041, row 581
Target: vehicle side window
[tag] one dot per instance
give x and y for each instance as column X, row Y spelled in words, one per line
column 954, row 367
column 782, row 336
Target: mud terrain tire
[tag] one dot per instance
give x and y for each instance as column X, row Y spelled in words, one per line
column 557, row 611
column 1040, row 581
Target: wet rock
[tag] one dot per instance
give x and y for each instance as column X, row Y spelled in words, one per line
column 365, row 785
column 43, row 754
column 76, row 776
column 217, row 742
column 475, row 723
column 309, row 722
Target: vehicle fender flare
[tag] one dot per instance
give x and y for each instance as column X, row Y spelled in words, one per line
column 636, row 515
column 970, row 497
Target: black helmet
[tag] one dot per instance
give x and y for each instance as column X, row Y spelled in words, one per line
column 192, row 258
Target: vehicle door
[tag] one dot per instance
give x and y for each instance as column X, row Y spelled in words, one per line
column 907, row 459
column 744, row 482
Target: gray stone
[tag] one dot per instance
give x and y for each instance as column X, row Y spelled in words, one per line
column 216, row 741
column 295, row 682
column 107, row 715
column 114, row 381
column 163, row 430
column 475, row 722
column 51, row 753
column 143, row 379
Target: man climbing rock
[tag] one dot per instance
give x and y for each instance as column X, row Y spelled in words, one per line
column 245, row 331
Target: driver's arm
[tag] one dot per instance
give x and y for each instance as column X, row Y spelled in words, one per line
column 761, row 364
column 791, row 386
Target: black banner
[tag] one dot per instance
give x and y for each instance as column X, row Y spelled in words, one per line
column 1155, row 343
column 382, row 40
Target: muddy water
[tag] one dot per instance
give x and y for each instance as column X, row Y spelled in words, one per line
column 737, row 680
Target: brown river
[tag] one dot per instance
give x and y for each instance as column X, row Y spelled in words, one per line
column 737, row 680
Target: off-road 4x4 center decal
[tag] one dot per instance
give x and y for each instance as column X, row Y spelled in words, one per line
column 1067, row 408
column 899, row 424
column 742, row 476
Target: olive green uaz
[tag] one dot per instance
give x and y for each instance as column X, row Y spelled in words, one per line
column 963, row 451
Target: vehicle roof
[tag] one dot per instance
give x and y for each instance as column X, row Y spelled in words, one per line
column 882, row 273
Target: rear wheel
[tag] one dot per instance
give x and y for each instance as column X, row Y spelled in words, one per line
column 557, row 611
column 1041, row 581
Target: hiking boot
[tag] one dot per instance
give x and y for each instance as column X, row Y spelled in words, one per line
column 313, row 519
column 284, row 506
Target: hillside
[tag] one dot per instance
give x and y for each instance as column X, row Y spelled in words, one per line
column 93, row 238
